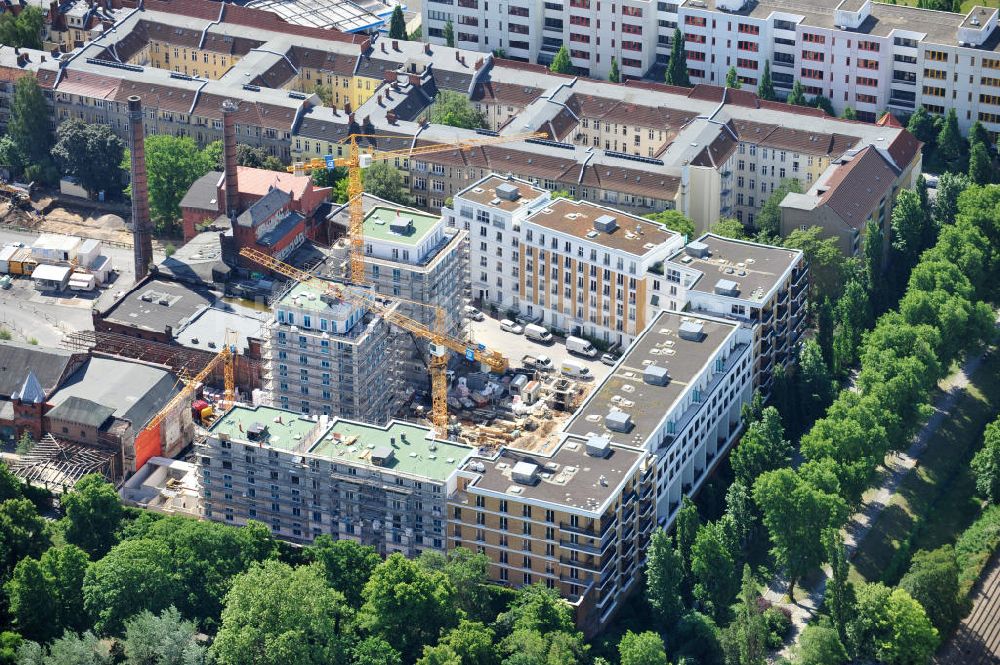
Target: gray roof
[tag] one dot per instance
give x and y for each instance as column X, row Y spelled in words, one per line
column 182, row 302
column 207, row 329
column 31, row 391
column 81, row 411
column 17, row 359
column 133, row 391
column 264, row 208
column 203, row 194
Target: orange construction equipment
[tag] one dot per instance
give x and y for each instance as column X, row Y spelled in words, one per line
column 439, row 345
column 358, row 159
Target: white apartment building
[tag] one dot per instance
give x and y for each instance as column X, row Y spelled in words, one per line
column 864, row 55
column 574, row 266
column 677, row 393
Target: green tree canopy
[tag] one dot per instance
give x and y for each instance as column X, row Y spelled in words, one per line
column 821, row 102
column 23, row 533
column 641, row 649
column 980, row 165
column 93, row 514
column 173, row 163
column 840, row 596
column 664, row 578
column 932, row 581
column 713, row 567
column 950, row 144
column 406, row 606
column 769, row 218
column 820, row 645
column 849, row 114
column 761, row 448
column 134, row 576
column 276, row 614
column 766, row 88
column 921, row 125
column 674, row 220
column 797, row 97
column 91, row 153
column 455, row 110
column 385, row 181
column 827, row 264
column 164, row 639
column 911, row 234
column 467, row 571
column 697, row 639
column 23, row 30
column 727, row 227
column 397, row 24
column 733, row 79
column 613, row 74
column 891, row 627
column 677, row 67
column 986, row 464
column 449, row 34
column 70, row 649
column 46, row 595
column 950, row 186
column 346, row 564
column 469, row 643
column 29, row 125
column 561, row 63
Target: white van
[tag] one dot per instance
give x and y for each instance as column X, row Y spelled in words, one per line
column 573, row 369
column 537, row 333
column 581, row 346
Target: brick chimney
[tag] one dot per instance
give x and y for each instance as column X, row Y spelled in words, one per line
column 390, row 117
column 427, row 48
column 347, row 107
column 229, row 158
column 395, row 44
column 142, row 226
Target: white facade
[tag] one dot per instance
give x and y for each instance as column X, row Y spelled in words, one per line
column 863, row 55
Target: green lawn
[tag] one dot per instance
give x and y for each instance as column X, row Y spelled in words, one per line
column 935, row 502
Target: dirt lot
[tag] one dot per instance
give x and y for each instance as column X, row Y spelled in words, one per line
column 100, row 221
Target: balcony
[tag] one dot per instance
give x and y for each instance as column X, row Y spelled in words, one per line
column 767, row 317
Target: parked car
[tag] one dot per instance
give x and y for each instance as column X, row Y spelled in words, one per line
column 511, row 327
column 537, row 333
column 609, row 359
column 472, row 313
column 581, row 347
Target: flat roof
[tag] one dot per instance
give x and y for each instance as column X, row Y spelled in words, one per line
column 56, row 241
column 159, row 303
column 484, row 193
column 414, row 451
column 207, row 329
column 312, row 299
column 647, row 404
column 755, row 268
column 634, row 235
column 379, row 219
column 51, row 273
column 569, row 477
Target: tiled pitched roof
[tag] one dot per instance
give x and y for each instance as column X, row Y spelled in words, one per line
column 252, row 114
column 855, row 188
column 98, row 86
column 161, row 97
column 904, row 148
column 631, row 181
column 326, row 61
column 795, row 140
column 719, row 150
column 505, row 93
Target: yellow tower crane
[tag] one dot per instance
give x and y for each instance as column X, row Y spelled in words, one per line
column 358, row 158
column 226, row 356
column 440, row 343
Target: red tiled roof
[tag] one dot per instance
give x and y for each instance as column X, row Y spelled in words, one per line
column 658, row 87
column 527, row 67
column 89, row 84
column 855, row 188
column 904, row 148
column 791, row 108
column 11, row 74
column 716, row 153
column 889, row 120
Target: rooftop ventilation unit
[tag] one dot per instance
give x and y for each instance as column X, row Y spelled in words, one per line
column 525, row 473
column 599, row 446
column 698, row 250
column 382, row 456
column 692, row 331
column 401, row 225
column 656, row 375
column 508, row 192
column 618, row 421
column 605, row 223
column 727, row 287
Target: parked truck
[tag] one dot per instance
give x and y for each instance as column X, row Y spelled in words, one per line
column 536, row 333
column 581, row 347
column 539, row 362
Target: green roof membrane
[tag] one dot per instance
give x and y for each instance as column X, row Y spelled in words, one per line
column 380, row 220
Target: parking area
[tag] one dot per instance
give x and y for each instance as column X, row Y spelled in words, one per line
column 30, row 315
column 515, row 347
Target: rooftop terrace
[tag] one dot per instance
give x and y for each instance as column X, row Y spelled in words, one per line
column 381, row 220
column 580, row 219
column 281, row 430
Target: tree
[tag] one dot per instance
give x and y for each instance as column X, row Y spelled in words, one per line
column 909, row 232
column 921, row 125
column 697, row 639
column 23, row 30
column 406, row 606
column 93, row 514
column 932, row 581
column 470, row 643
column 986, row 464
column 742, row 513
column 827, row 264
column 766, row 88
column 664, row 579
column 686, row 530
column 851, row 316
column 374, row 651
column 796, row 513
column 455, row 110
column 839, row 597
column 173, row 163
column 824, row 331
column 385, row 181
column 891, row 627
column 713, row 568
column 397, row 24
column 675, row 221
column 346, row 564
column 278, row 614
column 561, row 63
column 677, row 67
column 134, row 576
column 762, row 448
column 769, row 217
column 950, row 186
column 614, row 75
column 733, row 79
column 46, row 595
column 10, row 642
column 748, row 632
column 540, row 629
column 29, row 125
column 641, row 649
column 70, row 649
column 797, row 97
column 10, row 155
column 727, row 227
column 467, row 571
column 816, row 386
column 90, row 153
column 950, row 145
column 821, row 102
column 849, row 114
column 820, row 645
column 164, row 639
column 449, row 34
column 22, row 533
column 980, row 165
